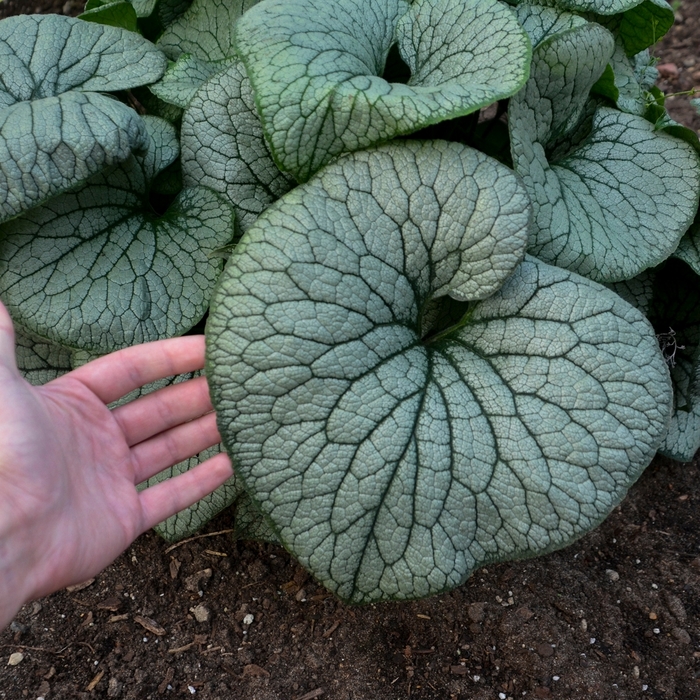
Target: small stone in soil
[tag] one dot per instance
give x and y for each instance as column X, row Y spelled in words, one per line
column 15, row 658
column 200, row 612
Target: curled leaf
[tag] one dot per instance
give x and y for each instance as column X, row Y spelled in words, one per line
column 316, row 69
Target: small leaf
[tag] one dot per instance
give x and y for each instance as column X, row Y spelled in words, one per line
column 223, row 147
column 316, row 66
column 168, row 11
column 144, row 8
column 620, row 85
column 95, row 269
column 603, row 7
column 641, row 26
column 392, row 464
column 120, row 13
column 689, row 248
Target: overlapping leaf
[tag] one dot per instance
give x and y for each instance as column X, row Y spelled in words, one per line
column 542, row 22
column 611, row 195
column 201, row 43
column 205, row 30
column 316, row 70
column 55, row 132
column 94, row 269
column 393, row 461
column 223, row 147
column 641, row 26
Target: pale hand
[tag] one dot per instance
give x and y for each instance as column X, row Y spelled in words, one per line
column 69, row 466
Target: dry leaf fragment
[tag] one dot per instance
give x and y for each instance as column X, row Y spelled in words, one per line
column 175, row 565
column 193, row 583
column 311, row 695
column 118, row 618
column 151, row 625
column 254, row 670
column 88, row 620
column 80, row 586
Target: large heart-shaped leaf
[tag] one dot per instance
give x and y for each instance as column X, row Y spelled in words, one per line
column 223, row 146
column 315, row 68
column 97, row 269
column 394, row 458
column 55, row 132
column 611, row 195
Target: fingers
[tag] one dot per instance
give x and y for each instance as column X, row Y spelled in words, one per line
column 174, row 446
column 161, row 501
column 7, row 339
column 163, row 409
column 115, row 375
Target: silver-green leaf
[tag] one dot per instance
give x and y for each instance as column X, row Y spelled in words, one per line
column 95, row 269
column 205, row 30
column 47, row 55
column 223, row 146
column 39, row 360
column 611, row 195
column 51, row 145
column 183, row 78
column 542, row 22
column 55, row 131
column 393, row 462
column 316, row 70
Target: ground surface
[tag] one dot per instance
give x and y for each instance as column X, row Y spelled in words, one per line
column 615, row 616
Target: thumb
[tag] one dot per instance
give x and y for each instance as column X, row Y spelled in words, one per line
column 7, row 340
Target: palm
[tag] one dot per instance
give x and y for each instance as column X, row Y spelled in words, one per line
column 69, row 465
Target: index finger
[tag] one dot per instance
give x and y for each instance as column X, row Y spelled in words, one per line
column 115, row 375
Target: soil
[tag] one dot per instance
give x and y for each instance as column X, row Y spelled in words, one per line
column 614, row 616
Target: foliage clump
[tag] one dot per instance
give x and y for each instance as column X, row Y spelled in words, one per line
column 458, row 313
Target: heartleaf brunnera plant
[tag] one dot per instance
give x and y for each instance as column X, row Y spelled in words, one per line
column 397, row 219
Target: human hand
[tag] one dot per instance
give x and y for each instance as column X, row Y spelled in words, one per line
column 69, row 466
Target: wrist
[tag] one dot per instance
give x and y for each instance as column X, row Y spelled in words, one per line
column 16, row 566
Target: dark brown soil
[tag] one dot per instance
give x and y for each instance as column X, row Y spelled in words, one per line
column 616, row 616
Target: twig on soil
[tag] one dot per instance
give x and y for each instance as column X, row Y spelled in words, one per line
column 331, row 629
column 24, row 646
column 196, row 537
column 310, row 696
